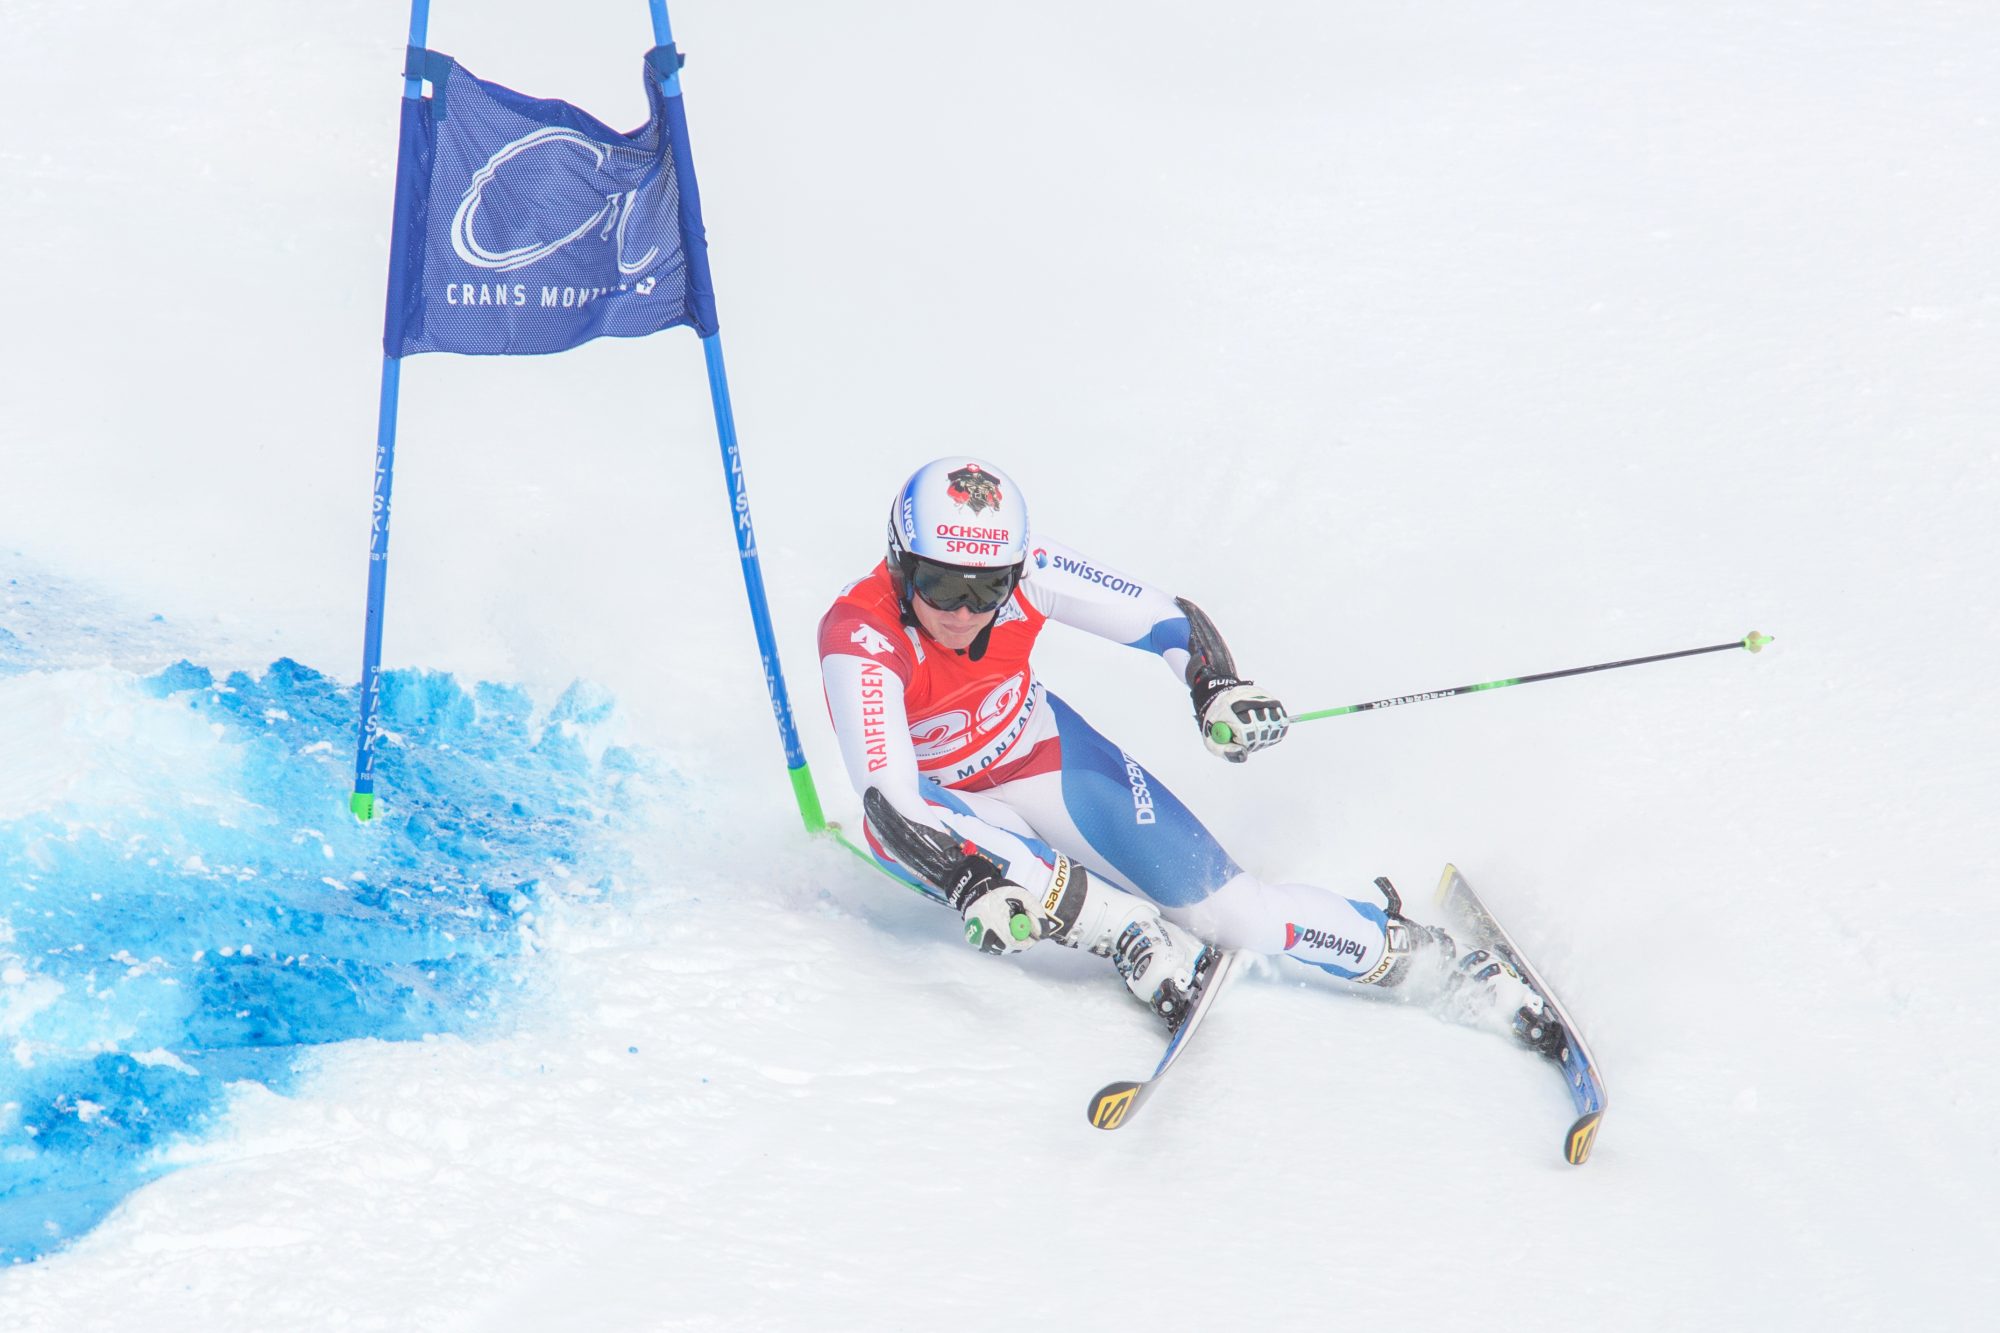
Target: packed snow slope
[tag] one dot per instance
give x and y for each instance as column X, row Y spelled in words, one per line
column 1421, row 345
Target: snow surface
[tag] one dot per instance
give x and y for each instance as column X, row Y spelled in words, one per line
column 1422, row 345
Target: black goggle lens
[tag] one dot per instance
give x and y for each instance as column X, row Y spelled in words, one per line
column 948, row 589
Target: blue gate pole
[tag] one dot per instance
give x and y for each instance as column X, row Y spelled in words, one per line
column 753, row 587
column 803, row 790
column 362, row 802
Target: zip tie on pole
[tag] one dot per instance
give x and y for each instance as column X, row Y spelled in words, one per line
column 1755, row 642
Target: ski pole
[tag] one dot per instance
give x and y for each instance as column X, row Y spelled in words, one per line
column 1222, row 732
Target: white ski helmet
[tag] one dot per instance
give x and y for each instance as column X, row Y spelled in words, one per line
column 960, row 513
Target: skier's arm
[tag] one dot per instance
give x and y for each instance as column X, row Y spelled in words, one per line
column 1076, row 591
column 864, row 695
column 1251, row 719
column 1082, row 593
column 865, row 698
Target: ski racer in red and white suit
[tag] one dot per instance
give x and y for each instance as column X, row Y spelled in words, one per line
column 968, row 744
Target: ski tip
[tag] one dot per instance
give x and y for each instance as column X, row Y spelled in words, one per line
column 1112, row 1103
column 1582, row 1138
column 1444, row 883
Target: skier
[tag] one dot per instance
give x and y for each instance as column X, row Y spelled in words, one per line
column 981, row 784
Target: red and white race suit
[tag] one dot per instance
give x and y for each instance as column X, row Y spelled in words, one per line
column 980, row 748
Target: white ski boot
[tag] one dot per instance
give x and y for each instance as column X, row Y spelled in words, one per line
column 1475, row 987
column 1484, row 990
column 1163, row 965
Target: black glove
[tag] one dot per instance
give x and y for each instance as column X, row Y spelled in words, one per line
column 1237, row 719
column 993, row 907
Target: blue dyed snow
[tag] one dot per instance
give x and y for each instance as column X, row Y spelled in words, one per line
column 203, row 929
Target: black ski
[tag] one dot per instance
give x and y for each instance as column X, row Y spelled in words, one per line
column 1115, row 1103
column 1553, row 1036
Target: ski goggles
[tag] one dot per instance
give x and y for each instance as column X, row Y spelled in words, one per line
column 948, row 588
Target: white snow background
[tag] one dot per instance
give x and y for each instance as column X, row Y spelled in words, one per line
column 1421, row 344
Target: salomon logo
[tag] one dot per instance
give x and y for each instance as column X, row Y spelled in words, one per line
column 1058, row 885
column 1108, row 1112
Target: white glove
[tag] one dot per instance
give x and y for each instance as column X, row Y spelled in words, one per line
column 995, row 909
column 1246, row 719
column 997, row 919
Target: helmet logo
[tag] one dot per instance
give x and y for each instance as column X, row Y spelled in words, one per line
column 971, row 487
column 960, row 513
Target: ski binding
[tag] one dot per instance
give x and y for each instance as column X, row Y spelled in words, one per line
column 1553, row 1035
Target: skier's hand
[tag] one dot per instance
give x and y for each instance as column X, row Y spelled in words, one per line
column 1239, row 718
column 998, row 920
column 995, row 908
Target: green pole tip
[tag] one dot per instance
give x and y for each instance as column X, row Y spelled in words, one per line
column 1220, row 733
column 1021, row 926
column 1755, row 642
column 362, row 803
column 807, row 796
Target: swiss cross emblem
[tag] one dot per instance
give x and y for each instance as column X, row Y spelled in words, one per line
column 871, row 642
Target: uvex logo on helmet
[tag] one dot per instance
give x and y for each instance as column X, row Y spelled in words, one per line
column 973, row 488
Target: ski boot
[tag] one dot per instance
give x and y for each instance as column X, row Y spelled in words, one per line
column 1488, row 991
column 1164, row 966
column 1415, row 957
column 1476, row 987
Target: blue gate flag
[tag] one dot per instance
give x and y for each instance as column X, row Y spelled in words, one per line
column 525, row 226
